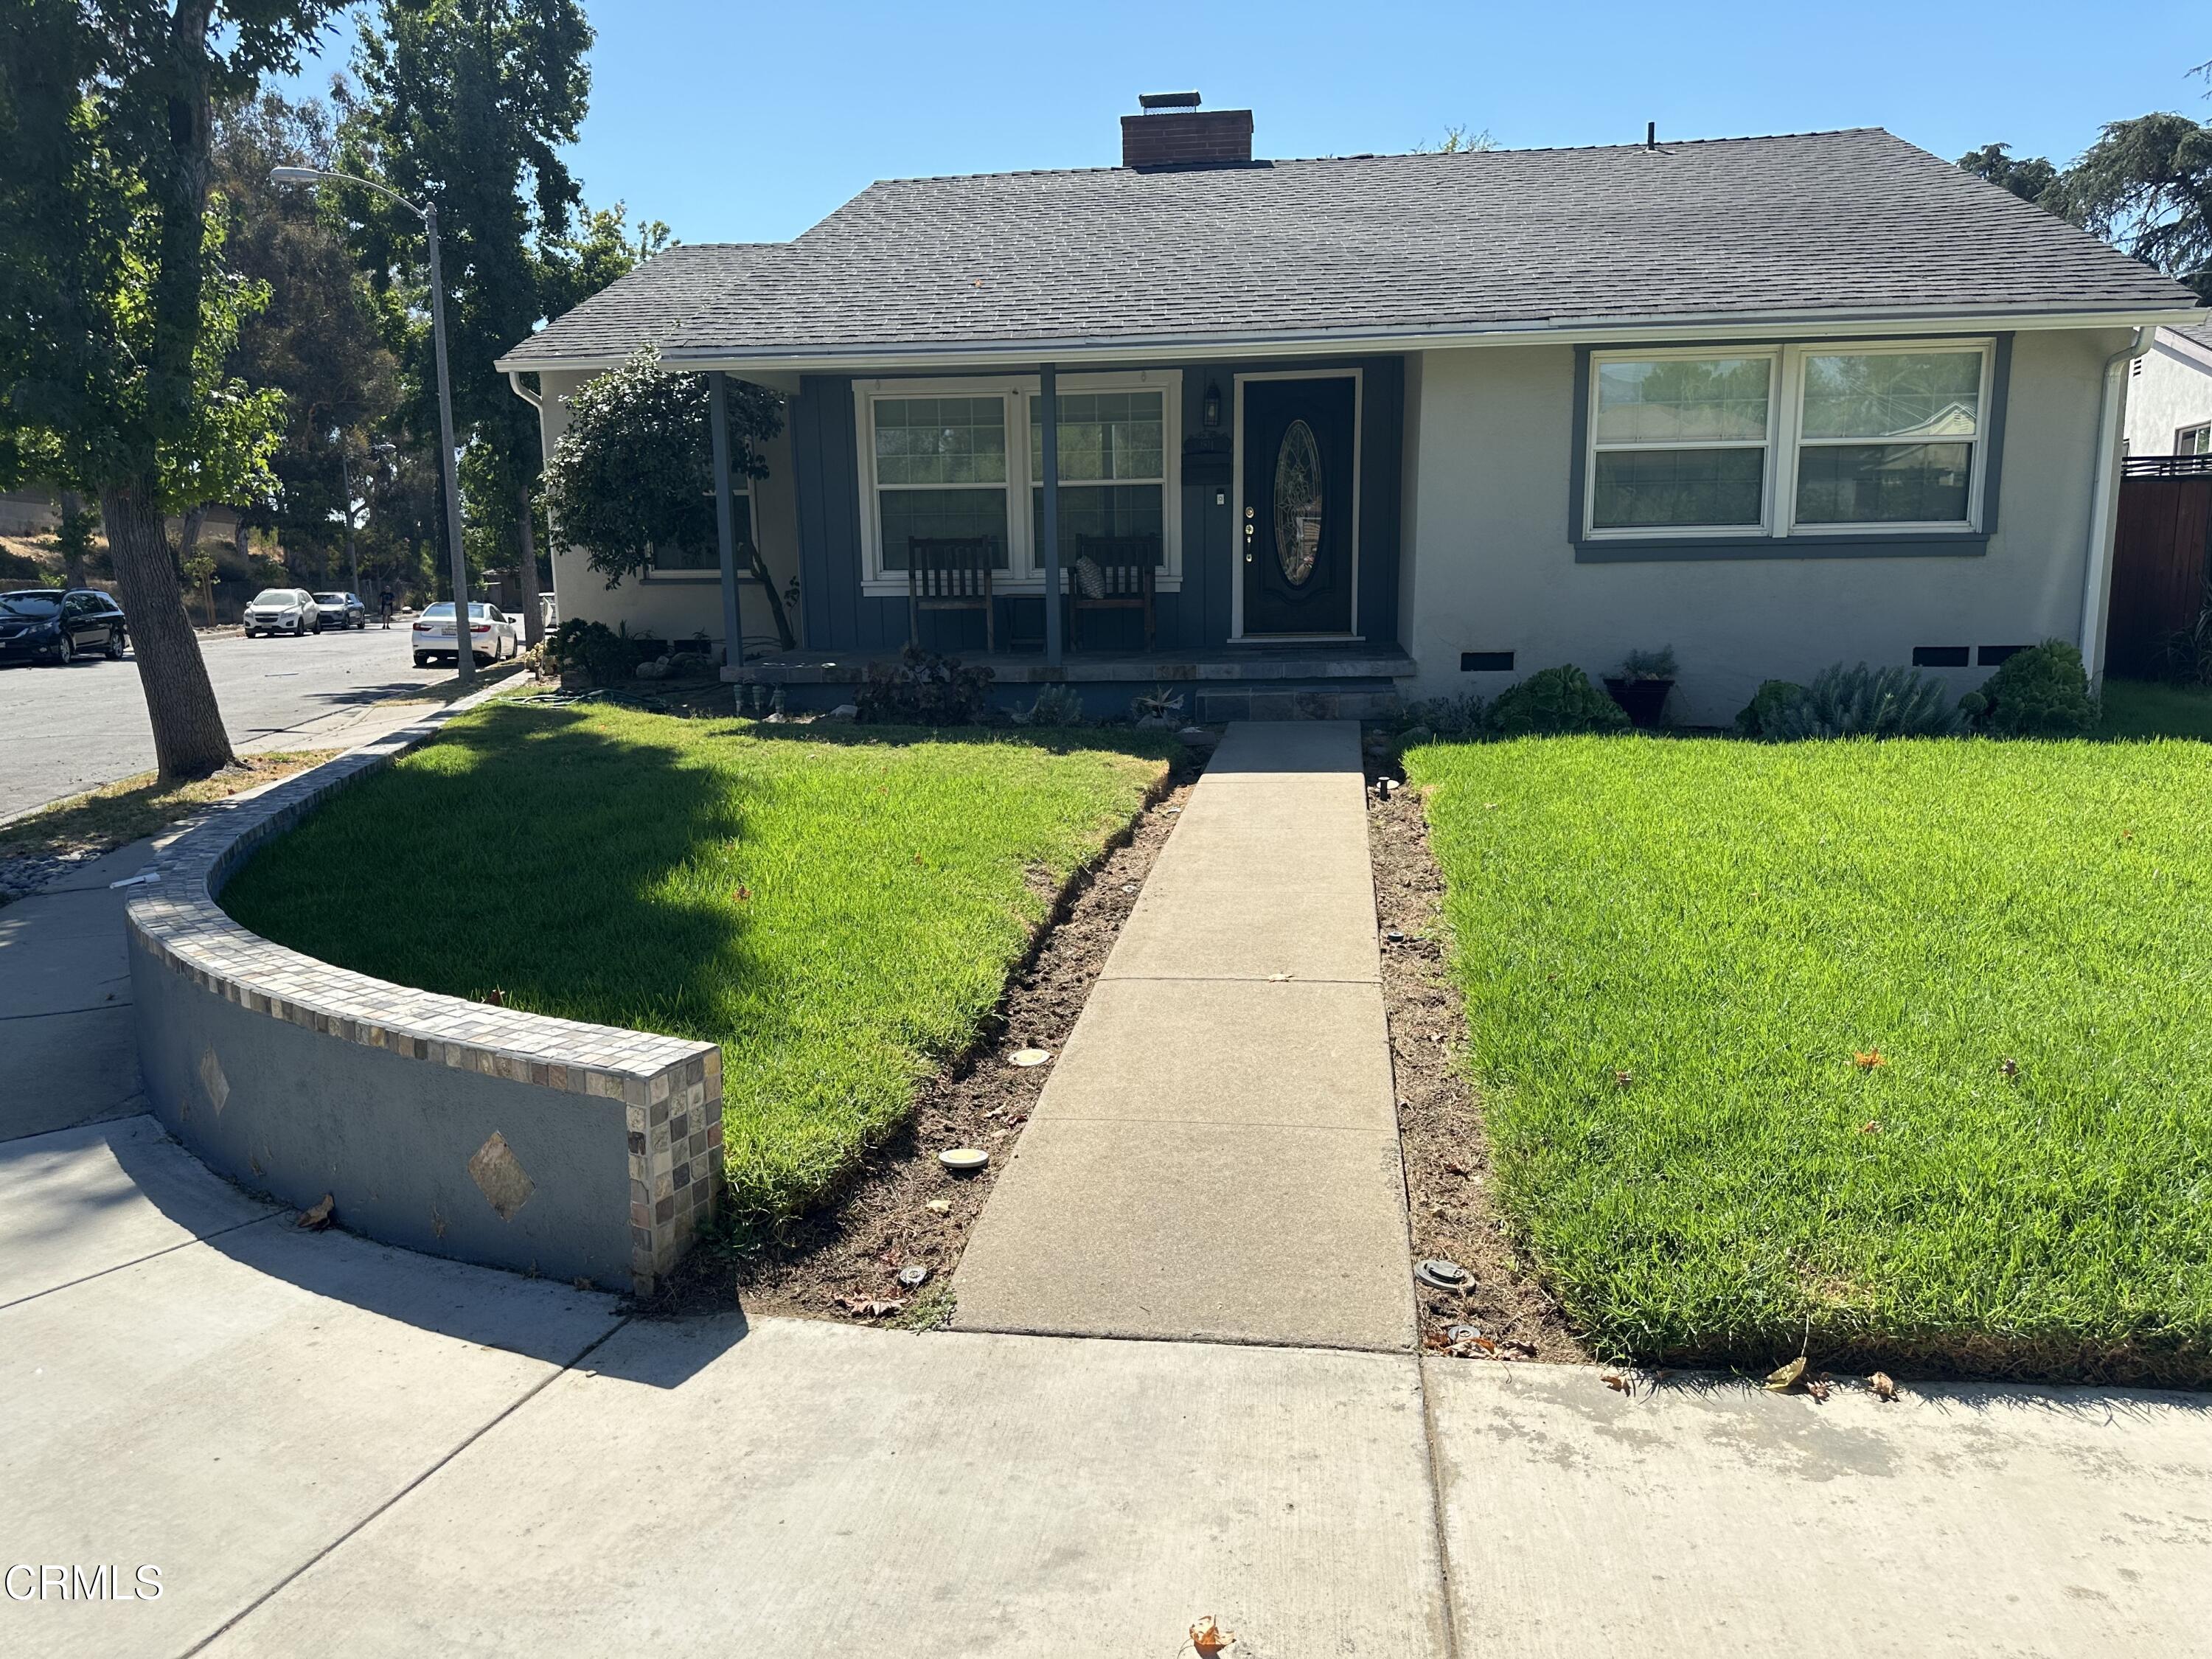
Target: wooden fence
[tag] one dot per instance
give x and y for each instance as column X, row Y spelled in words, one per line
column 2161, row 559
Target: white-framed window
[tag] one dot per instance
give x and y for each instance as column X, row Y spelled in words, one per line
column 1818, row 439
column 935, row 461
column 2192, row 439
column 704, row 560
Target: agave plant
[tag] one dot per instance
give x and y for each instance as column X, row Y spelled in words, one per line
column 1866, row 702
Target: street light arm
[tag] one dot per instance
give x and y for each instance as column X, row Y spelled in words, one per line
column 324, row 175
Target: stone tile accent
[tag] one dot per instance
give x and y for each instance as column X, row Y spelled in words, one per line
column 671, row 1088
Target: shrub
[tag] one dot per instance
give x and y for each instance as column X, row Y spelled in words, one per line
column 1865, row 703
column 923, row 688
column 1554, row 702
column 1658, row 665
column 2040, row 692
column 1055, row 705
column 1757, row 718
column 1458, row 715
column 596, row 650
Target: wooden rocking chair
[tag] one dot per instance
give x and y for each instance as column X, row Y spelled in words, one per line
column 950, row 574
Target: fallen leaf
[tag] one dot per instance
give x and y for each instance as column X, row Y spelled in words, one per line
column 1869, row 1061
column 1617, row 1382
column 942, row 1206
column 317, row 1217
column 1882, row 1387
column 1788, row 1377
column 1819, row 1387
column 741, row 893
column 1276, row 979
column 1622, row 1079
column 496, row 997
column 2009, row 1067
column 1208, row 1638
column 862, row 1307
column 1869, row 1127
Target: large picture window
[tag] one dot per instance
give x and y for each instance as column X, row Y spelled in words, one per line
column 1812, row 440
column 936, row 462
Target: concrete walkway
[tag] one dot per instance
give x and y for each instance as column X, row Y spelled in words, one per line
column 1216, row 1153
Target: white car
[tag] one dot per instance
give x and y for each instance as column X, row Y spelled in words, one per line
column 282, row 610
column 493, row 634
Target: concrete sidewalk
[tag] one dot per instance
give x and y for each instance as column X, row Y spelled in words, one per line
column 1216, row 1153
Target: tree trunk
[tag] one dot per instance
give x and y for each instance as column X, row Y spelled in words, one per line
column 189, row 740
column 533, row 619
column 775, row 600
column 72, row 556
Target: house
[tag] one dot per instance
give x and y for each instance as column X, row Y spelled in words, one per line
column 1404, row 426
column 2170, row 395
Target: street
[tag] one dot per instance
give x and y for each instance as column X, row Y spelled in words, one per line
column 66, row 730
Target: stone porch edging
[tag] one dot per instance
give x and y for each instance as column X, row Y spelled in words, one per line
column 490, row 1134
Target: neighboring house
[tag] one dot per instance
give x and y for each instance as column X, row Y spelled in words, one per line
column 2170, row 395
column 1413, row 424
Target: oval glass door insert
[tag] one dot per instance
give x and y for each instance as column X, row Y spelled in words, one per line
column 1298, row 503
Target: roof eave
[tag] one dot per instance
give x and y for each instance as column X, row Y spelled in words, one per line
column 1578, row 331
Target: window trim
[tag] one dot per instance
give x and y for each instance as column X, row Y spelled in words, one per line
column 1021, row 575
column 1780, row 536
column 2200, row 428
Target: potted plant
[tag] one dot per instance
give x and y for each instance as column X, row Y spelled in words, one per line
column 1642, row 685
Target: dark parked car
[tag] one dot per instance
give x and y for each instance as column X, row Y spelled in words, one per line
column 51, row 624
column 340, row 610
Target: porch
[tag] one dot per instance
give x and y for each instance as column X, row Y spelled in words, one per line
column 1310, row 682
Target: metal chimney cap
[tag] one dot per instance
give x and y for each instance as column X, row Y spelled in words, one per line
column 1152, row 100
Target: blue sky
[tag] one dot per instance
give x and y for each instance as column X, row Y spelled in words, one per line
column 738, row 124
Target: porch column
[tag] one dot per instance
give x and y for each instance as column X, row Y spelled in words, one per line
column 726, row 520
column 1049, row 391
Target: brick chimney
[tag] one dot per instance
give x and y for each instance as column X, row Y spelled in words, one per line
column 1174, row 132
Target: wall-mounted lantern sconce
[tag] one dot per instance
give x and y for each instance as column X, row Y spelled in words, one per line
column 1211, row 409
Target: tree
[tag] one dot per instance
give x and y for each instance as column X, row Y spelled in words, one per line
column 109, row 293
column 319, row 338
column 468, row 103
column 2028, row 177
column 635, row 470
column 2145, row 186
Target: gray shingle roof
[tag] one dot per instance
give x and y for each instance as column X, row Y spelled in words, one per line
column 642, row 308
column 1856, row 222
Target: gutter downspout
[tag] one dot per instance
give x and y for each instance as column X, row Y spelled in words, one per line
column 534, row 623
column 2104, row 506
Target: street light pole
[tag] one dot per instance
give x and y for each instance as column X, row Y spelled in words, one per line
column 464, row 644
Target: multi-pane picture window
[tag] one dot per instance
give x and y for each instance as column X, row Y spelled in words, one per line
column 936, row 462
column 1777, row 441
column 1888, row 437
column 940, row 471
column 1113, row 466
column 2192, row 439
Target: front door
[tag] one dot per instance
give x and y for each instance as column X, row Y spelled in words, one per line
column 1297, row 533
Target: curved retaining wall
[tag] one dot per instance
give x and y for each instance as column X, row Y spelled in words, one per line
column 547, row 1146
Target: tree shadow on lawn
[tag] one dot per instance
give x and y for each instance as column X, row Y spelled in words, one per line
column 545, row 845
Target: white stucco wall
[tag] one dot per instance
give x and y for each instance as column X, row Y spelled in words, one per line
column 1490, row 568
column 2170, row 387
column 677, row 607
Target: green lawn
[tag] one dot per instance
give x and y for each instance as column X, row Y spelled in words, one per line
column 2149, row 708
column 838, row 912
column 1733, row 925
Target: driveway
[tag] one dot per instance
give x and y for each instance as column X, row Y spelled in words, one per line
column 72, row 729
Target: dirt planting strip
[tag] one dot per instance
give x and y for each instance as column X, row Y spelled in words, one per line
column 1440, row 1127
